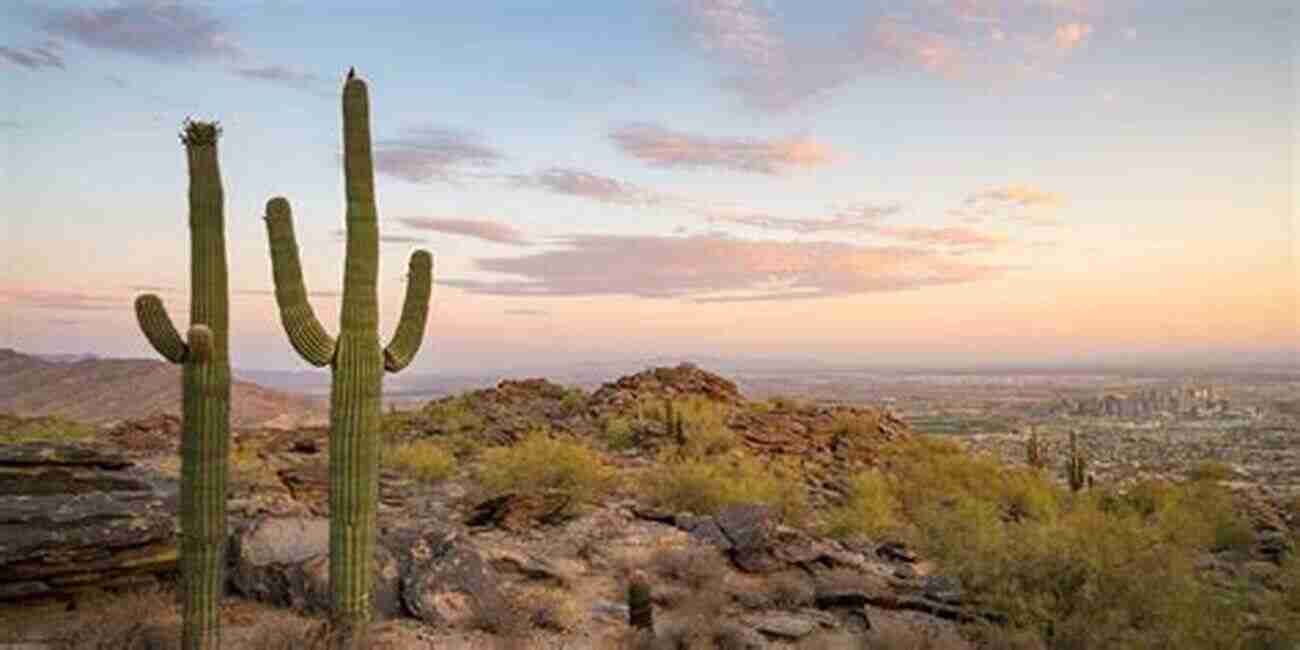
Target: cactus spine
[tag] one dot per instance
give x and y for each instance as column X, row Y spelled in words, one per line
column 205, row 393
column 356, row 359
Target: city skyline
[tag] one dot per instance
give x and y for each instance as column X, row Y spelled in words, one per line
column 933, row 182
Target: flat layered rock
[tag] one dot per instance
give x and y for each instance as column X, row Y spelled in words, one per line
column 74, row 518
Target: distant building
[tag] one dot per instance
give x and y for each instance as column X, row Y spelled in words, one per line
column 1187, row 401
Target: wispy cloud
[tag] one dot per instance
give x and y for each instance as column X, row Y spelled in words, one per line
column 943, row 235
column 271, row 292
column 45, row 55
column 492, row 231
column 340, row 233
column 1014, row 195
column 857, row 218
column 662, row 147
column 155, row 29
column 576, row 182
column 776, row 69
column 63, row 300
column 11, row 125
column 715, row 267
column 283, row 75
column 525, row 311
column 423, row 154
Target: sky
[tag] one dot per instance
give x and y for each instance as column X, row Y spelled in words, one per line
column 929, row 183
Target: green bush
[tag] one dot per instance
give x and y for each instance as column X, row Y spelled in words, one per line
column 545, row 463
column 44, row 429
column 1097, row 569
column 425, row 460
column 709, row 484
column 453, row 414
column 870, row 508
column 618, row 433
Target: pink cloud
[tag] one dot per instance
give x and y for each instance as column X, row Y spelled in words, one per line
column 59, row 299
column 945, row 235
column 663, row 147
column 423, row 154
column 775, row 69
column 492, row 231
column 857, row 218
column 575, row 182
column 716, row 267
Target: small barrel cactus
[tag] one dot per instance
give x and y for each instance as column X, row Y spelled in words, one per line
column 205, row 393
column 641, row 614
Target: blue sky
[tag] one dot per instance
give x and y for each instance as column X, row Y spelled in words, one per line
column 937, row 181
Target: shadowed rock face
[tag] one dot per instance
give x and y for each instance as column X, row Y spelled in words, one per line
column 72, row 518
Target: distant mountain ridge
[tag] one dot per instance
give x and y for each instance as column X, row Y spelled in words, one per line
column 100, row 390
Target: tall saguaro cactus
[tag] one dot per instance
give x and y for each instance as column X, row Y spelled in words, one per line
column 205, row 393
column 356, row 359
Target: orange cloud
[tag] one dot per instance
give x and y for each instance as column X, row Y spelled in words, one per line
column 1071, row 35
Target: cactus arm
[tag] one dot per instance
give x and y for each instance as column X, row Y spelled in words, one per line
column 157, row 327
column 415, row 314
column 305, row 331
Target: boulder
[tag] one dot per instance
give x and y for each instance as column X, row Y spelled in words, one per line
column 74, row 518
column 444, row 580
column 285, row 562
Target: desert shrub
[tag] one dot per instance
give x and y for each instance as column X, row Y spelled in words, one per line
column 1098, row 569
column 573, row 400
column 545, row 463
column 140, row 619
column 790, row 590
column 1211, row 470
column 45, row 429
column 247, row 465
column 549, row 608
column 870, row 508
column 697, row 567
column 617, row 433
column 707, row 485
column 704, row 423
column 784, row 404
column 453, row 414
column 425, row 460
column 855, row 425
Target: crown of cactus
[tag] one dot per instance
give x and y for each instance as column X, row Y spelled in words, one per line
column 356, row 360
column 205, row 401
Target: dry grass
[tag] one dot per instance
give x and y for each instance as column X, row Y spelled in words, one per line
column 696, row 567
column 549, row 608
column 790, row 590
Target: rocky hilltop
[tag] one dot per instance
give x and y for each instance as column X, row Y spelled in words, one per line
column 487, row 542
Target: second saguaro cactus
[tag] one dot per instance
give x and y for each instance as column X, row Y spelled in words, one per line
column 205, row 393
column 356, row 358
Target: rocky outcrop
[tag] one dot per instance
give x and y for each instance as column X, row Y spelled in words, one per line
column 424, row 571
column 678, row 382
column 73, row 518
